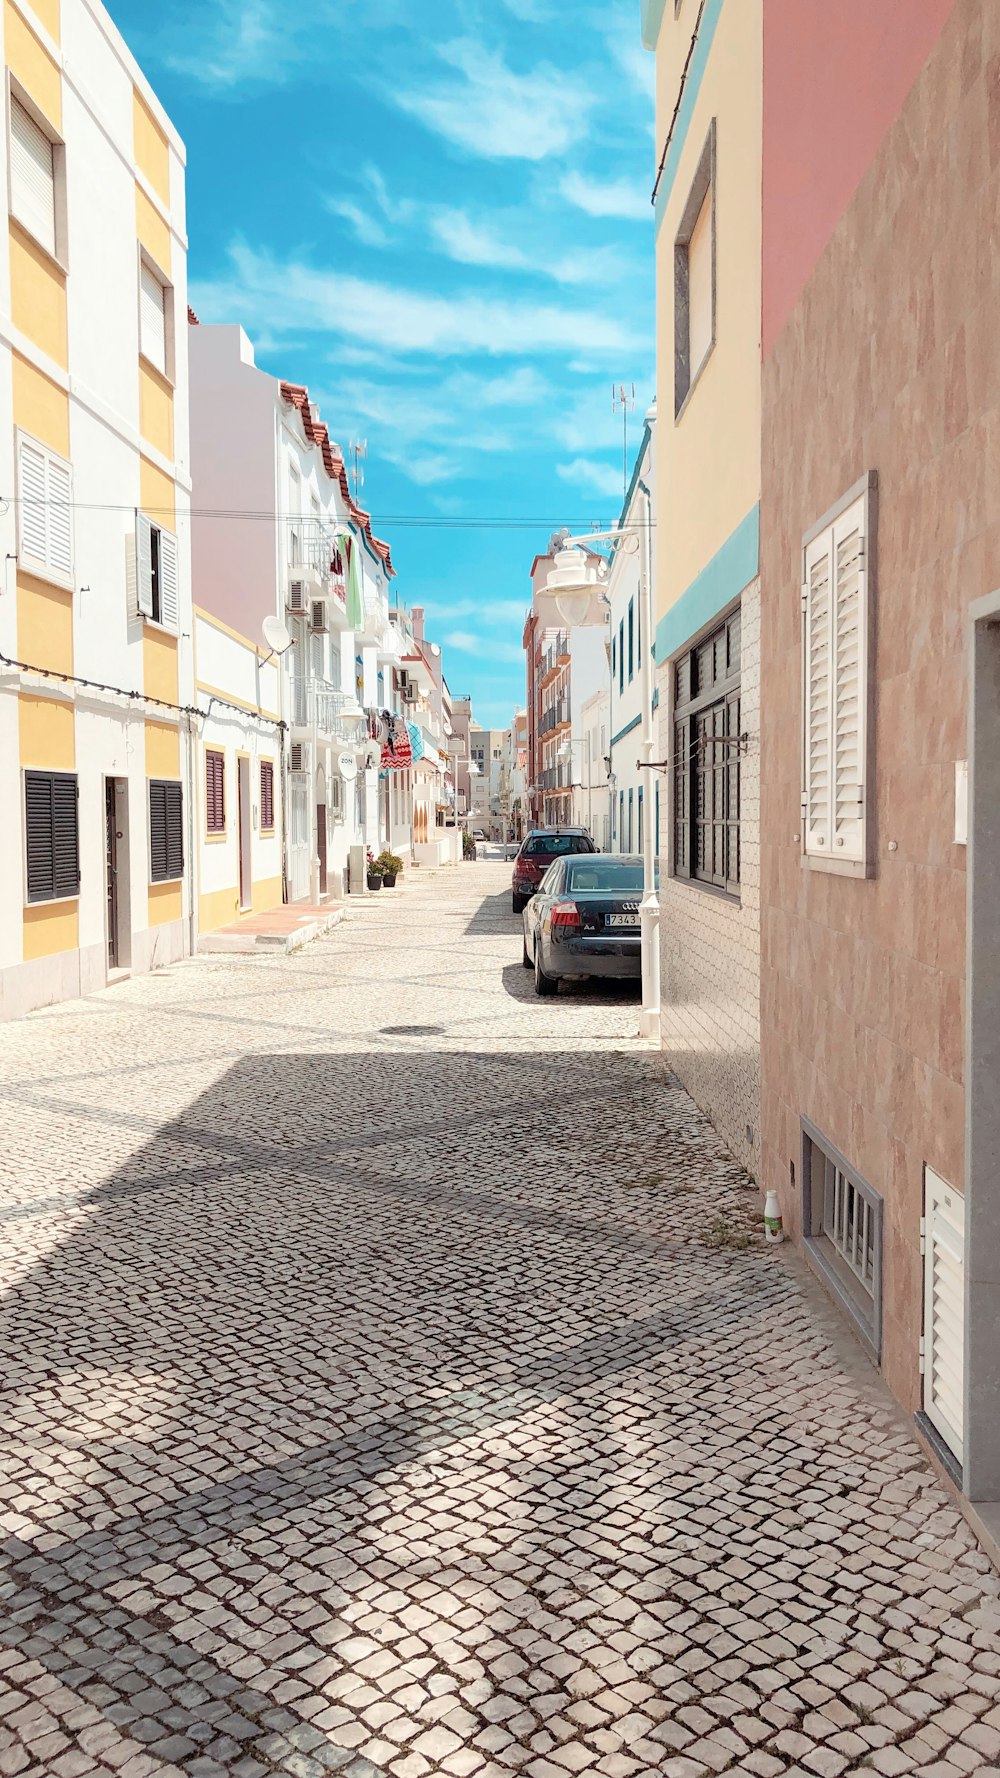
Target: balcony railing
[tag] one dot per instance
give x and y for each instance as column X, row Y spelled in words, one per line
column 556, row 714
column 316, row 704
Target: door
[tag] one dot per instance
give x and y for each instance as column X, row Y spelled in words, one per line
column 321, row 845
column 243, row 793
column 111, row 831
column 943, row 1358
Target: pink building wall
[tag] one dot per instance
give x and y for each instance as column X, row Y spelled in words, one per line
column 836, row 73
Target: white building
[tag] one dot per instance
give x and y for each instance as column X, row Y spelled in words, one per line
column 629, row 792
column 305, row 553
column 591, row 791
column 96, row 736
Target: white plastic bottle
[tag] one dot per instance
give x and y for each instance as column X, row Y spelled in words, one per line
column 773, row 1230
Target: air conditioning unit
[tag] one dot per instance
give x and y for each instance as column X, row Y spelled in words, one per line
column 298, row 598
column 317, row 618
column 298, row 757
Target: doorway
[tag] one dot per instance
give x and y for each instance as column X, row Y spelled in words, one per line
column 111, row 832
column 321, row 845
column 243, row 797
column 116, row 873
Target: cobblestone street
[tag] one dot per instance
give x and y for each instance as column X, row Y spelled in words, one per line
column 394, row 1382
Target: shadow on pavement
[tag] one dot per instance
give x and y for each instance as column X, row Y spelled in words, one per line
column 287, row 1378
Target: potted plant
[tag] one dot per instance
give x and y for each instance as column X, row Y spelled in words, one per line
column 469, row 848
column 374, row 870
column 390, row 866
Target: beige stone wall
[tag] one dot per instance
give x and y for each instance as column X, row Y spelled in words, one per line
column 710, row 944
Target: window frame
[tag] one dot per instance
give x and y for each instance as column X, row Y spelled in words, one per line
column 154, row 616
column 703, row 186
column 819, row 1245
column 41, row 568
column 16, row 93
column 267, row 827
column 57, row 897
column 723, row 693
column 177, row 877
column 168, row 370
column 631, row 640
column 864, row 494
column 215, row 831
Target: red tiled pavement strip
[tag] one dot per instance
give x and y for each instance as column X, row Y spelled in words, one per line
column 283, row 919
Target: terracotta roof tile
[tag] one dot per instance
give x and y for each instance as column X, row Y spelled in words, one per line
column 297, row 396
column 193, row 320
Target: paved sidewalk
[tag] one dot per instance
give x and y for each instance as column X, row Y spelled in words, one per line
column 393, row 1382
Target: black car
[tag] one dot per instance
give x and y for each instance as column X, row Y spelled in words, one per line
column 584, row 921
column 535, row 854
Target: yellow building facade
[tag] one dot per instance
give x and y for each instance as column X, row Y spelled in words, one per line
column 95, row 627
column 707, row 209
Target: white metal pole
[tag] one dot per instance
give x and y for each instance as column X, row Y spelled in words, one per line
column 649, row 909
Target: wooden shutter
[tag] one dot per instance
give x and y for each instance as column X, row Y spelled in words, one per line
column 166, row 839
column 168, row 580
column 32, row 177
column 215, row 791
column 60, row 515
column 835, row 689
column 33, row 474
column 818, row 699
column 944, row 1310
column 267, row 793
column 52, row 843
column 850, row 689
column 144, row 564
column 152, row 319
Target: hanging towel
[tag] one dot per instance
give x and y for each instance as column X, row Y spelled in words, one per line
column 355, row 592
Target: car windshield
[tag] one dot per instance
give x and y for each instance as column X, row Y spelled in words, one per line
column 615, row 875
column 554, row 845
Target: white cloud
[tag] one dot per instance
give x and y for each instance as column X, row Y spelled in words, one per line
column 597, row 478
column 290, row 296
column 624, row 199
column 466, row 643
column 496, row 613
column 244, row 41
column 473, row 243
column 368, row 230
column 426, row 469
column 491, row 111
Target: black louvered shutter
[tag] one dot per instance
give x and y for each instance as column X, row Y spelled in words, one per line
column 52, row 838
column 266, row 793
column 166, row 831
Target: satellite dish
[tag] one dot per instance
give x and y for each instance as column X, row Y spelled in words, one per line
column 373, row 753
column 276, row 634
column 348, row 767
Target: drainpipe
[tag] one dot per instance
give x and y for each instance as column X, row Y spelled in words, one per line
column 194, row 874
column 649, row 908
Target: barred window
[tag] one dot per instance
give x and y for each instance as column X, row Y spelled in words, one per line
column 706, row 760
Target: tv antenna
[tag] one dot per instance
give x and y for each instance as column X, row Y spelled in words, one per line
column 623, row 397
column 359, row 453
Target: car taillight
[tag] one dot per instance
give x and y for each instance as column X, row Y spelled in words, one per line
column 565, row 918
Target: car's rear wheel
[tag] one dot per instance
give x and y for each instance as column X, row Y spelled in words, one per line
column 544, row 984
column 518, row 904
column 525, row 953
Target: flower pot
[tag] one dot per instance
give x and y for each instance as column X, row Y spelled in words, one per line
column 374, row 882
column 389, row 881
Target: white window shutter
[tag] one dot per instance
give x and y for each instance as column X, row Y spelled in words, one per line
column 144, row 564
column 32, row 177
column 152, row 319
column 33, row 470
column 817, row 737
column 944, row 1310
column 168, row 580
column 850, row 688
column 60, row 510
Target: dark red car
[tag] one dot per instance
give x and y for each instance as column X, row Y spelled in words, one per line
column 541, row 848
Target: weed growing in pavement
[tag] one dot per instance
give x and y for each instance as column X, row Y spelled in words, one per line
column 723, row 1234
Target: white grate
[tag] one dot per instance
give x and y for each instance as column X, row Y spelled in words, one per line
column 849, row 1223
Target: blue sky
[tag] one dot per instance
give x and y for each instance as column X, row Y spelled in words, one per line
column 444, row 229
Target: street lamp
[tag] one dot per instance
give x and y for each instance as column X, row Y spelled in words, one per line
column 576, row 575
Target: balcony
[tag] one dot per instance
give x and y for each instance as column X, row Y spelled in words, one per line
column 312, row 577
column 554, row 717
column 317, row 706
column 562, row 648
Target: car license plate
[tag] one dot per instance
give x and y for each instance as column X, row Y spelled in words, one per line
column 621, row 920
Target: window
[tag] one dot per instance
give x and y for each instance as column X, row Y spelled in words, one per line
column 621, row 821
column 156, row 573
column 166, row 831
column 152, row 318
column 842, row 1221
column 267, row 794
column 215, row 791
column 621, row 656
column 657, row 836
column 835, row 650
column 45, row 511
column 706, row 760
column 614, row 657
column 694, row 279
column 631, row 638
column 640, row 817
column 631, row 811
column 32, row 177
column 295, row 516
column 51, row 836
